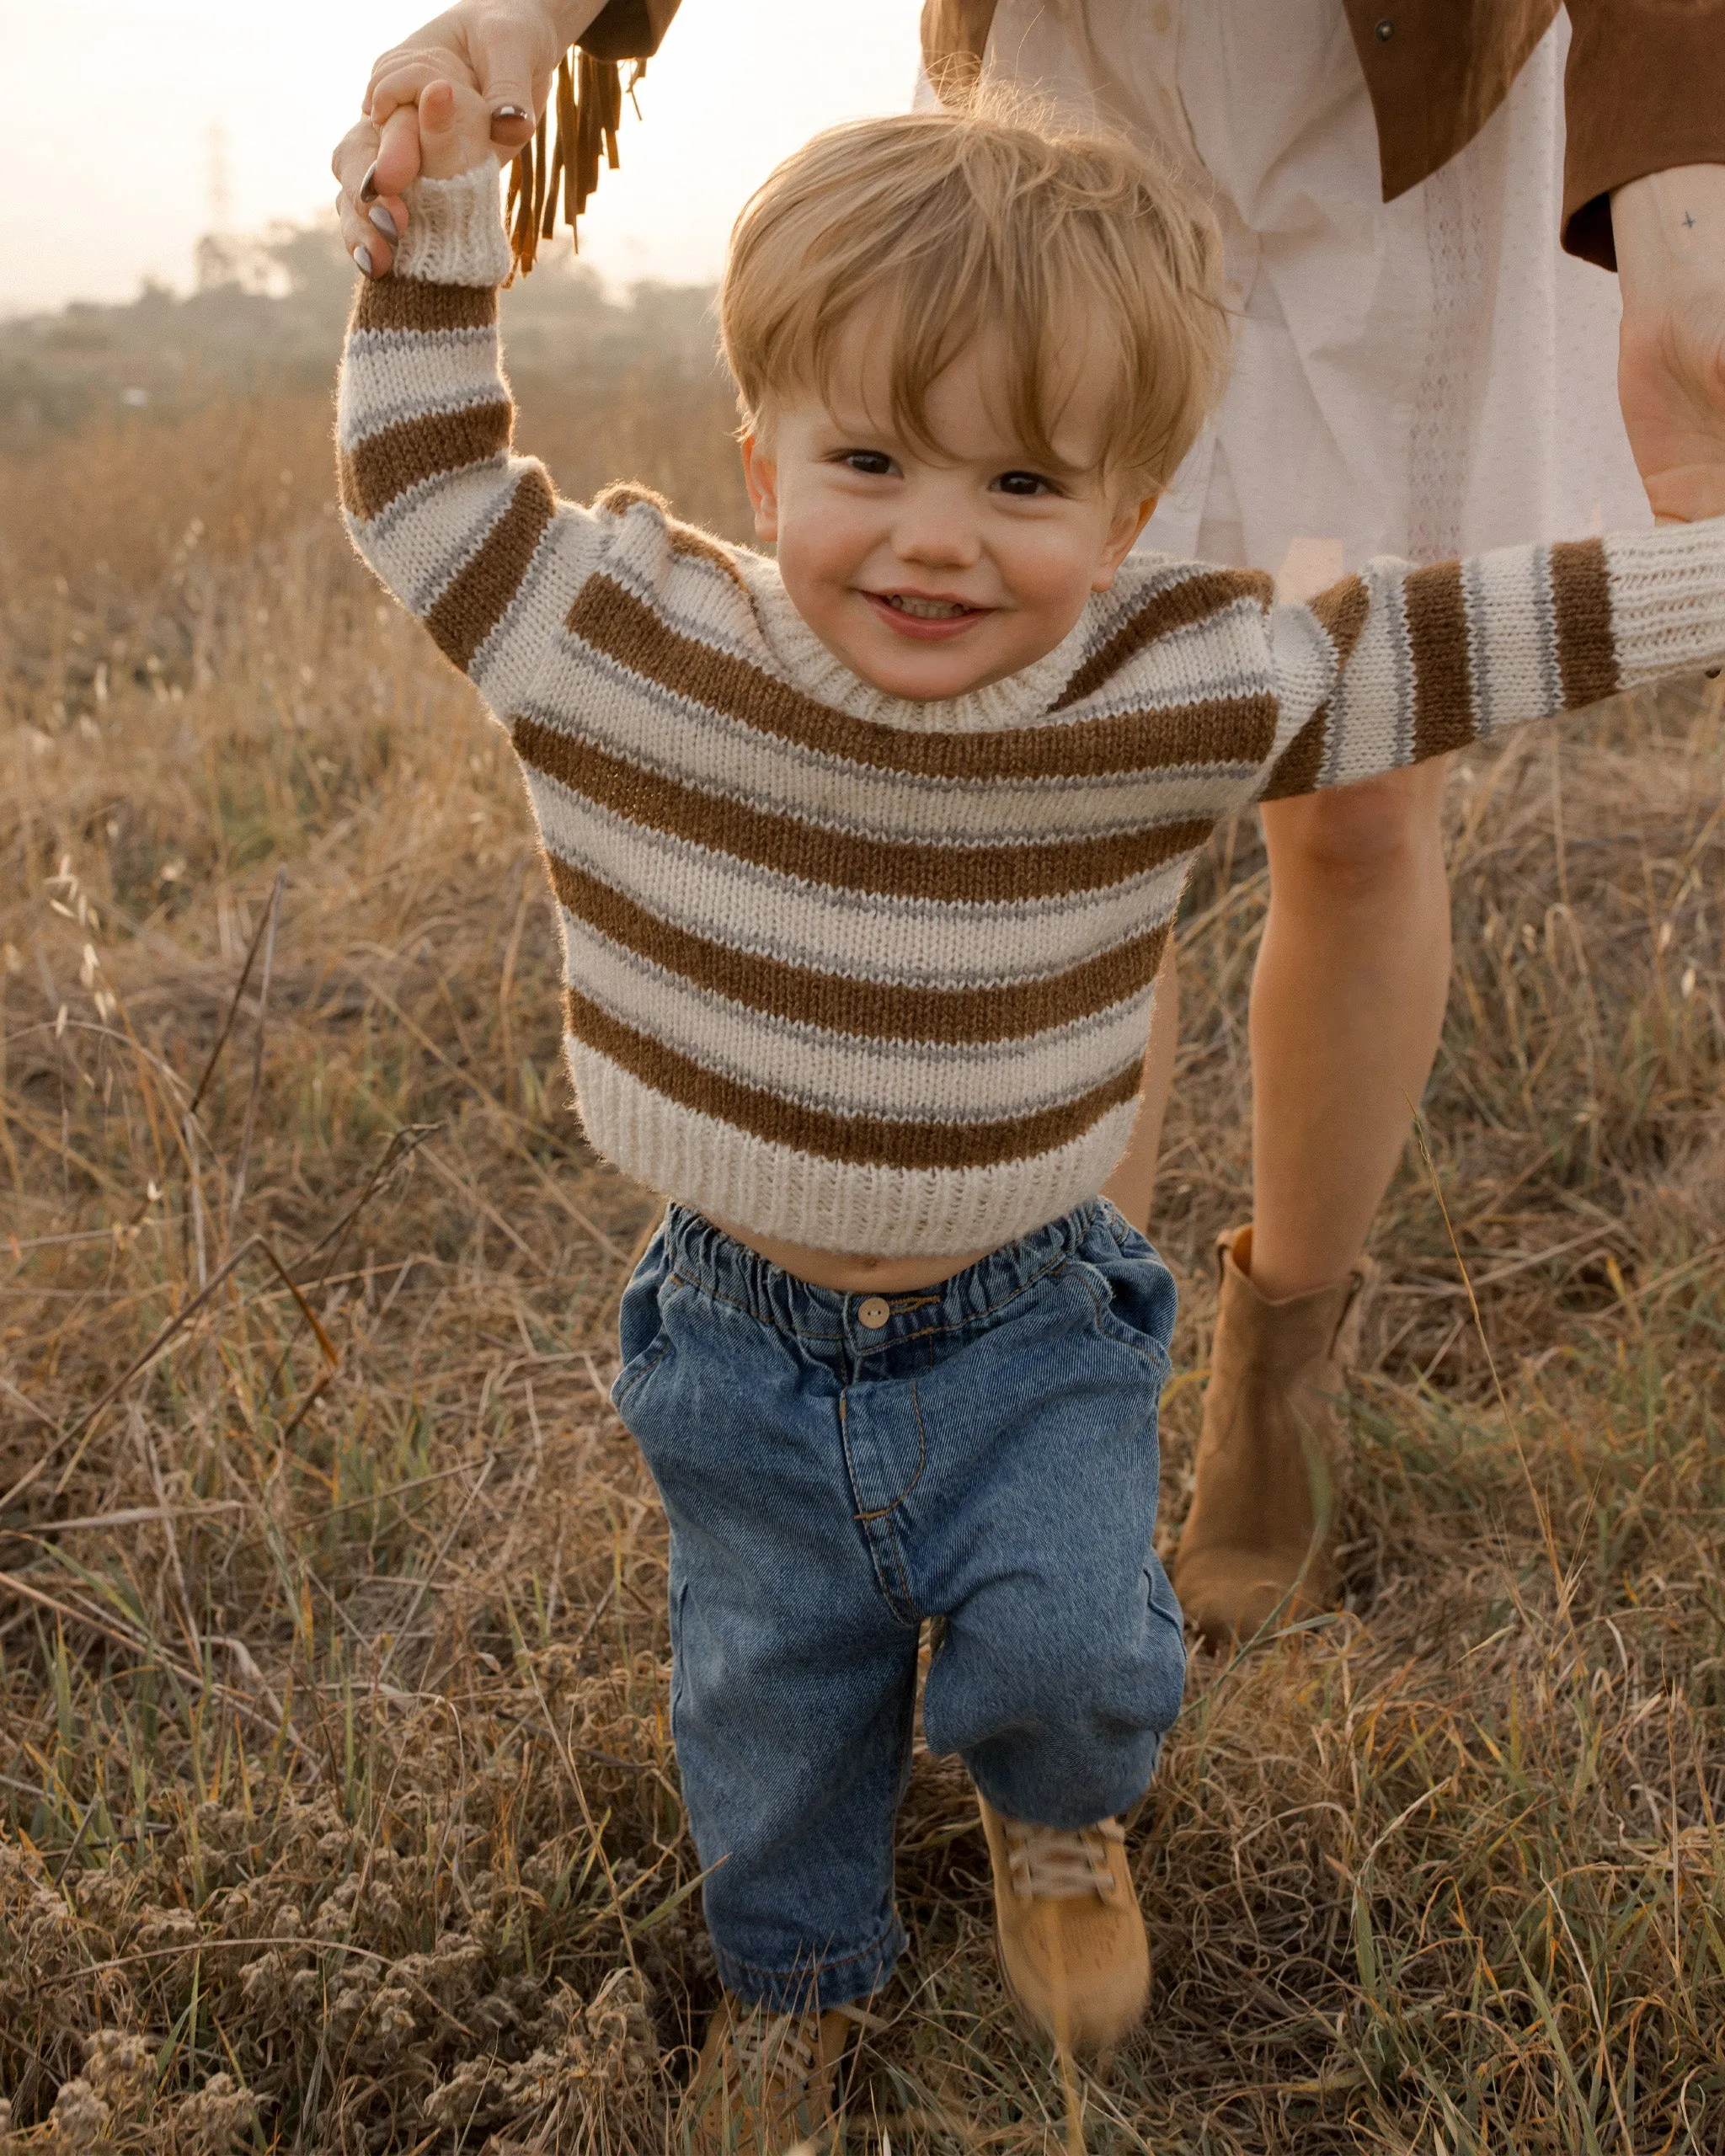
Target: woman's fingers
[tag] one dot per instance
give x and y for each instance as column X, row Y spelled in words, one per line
column 507, row 88
column 370, row 235
column 513, row 59
column 373, row 215
column 399, row 77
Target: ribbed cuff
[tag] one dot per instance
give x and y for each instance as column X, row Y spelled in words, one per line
column 1667, row 598
column 455, row 232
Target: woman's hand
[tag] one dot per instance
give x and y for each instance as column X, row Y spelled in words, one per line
column 507, row 50
column 1669, row 230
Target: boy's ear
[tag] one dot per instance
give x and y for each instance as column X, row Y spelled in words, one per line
column 1122, row 537
column 761, row 477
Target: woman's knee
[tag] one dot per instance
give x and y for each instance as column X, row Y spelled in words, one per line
column 1360, row 842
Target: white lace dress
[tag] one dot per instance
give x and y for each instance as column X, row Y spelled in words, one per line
column 1424, row 377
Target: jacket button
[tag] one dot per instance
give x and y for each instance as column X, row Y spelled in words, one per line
column 1385, row 31
column 874, row 1311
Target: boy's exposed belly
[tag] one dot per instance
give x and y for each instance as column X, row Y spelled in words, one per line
column 844, row 1272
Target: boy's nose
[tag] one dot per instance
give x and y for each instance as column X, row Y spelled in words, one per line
column 937, row 540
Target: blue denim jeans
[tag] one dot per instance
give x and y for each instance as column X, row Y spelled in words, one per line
column 986, row 1457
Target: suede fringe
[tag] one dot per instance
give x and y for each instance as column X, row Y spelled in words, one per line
column 589, row 104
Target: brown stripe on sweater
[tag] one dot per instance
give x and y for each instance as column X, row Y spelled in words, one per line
column 1581, row 599
column 1436, row 612
column 864, row 1009
column 385, row 465
column 1301, row 765
column 478, row 598
column 1340, row 609
column 1221, row 730
column 622, row 496
column 951, row 875
column 405, row 303
column 1179, row 606
column 856, row 1140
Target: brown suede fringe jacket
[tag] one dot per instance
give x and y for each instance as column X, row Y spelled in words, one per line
column 1645, row 90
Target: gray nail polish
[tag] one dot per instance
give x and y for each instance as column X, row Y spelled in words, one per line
column 385, row 223
column 362, row 255
column 511, row 112
column 368, row 185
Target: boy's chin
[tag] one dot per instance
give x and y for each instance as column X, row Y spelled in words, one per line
column 932, row 674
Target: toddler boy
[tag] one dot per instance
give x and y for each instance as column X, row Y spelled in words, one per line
column 866, row 858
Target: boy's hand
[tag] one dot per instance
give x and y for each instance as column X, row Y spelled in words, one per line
column 455, row 130
column 446, row 132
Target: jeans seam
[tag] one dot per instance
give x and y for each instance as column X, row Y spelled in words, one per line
column 901, row 1608
column 880, row 1512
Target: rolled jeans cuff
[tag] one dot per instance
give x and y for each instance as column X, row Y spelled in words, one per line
column 831, row 1981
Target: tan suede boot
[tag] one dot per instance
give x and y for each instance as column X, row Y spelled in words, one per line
column 764, row 2085
column 1072, row 1944
column 1256, row 1542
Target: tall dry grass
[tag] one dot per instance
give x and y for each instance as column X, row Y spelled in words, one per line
column 338, row 1810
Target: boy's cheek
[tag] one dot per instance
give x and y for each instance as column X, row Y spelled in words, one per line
column 1052, row 570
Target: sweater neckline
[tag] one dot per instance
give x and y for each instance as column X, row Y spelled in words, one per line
column 1019, row 699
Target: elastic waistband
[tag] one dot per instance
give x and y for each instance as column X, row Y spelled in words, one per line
column 731, row 1273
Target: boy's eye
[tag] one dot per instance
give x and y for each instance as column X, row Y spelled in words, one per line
column 1023, row 483
column 872, row 463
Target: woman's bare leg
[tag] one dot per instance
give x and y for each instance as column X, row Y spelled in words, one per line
column 1346, row 1004
column 1346, row 1010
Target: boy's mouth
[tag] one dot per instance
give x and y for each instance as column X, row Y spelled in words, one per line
column 925, row 610
column 923, row 615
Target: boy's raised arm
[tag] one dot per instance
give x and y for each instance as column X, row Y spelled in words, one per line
column 1398, row 664
column 470, row 537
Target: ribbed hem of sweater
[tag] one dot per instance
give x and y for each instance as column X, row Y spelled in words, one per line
column 455, row 232
column 1668, row 597
column 772, row 1189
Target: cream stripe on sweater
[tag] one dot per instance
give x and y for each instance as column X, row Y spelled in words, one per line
column 873, row 975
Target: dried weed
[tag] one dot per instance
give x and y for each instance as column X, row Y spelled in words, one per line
column 338, row 1810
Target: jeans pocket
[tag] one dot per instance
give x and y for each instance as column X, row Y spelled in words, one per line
column 1134, row 1300
column 629, row 1378
column 642, row 1335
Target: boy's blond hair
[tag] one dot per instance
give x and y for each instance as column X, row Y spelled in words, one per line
column 982, row 220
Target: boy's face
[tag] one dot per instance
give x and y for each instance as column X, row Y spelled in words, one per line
column 934, row 576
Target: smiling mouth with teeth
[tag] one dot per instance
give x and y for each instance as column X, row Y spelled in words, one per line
column 926, row 610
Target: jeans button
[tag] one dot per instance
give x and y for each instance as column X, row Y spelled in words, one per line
column 874, row 1311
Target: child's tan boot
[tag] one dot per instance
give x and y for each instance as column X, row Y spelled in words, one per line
column 765, row 2083
column 1256, row 1544
column 1072, row 1944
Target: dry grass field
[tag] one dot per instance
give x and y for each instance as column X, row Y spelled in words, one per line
column 338, row 1811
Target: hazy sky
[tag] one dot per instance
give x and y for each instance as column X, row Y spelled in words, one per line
column 105, row 167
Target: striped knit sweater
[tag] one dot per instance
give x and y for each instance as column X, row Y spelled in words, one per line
column 869, row 975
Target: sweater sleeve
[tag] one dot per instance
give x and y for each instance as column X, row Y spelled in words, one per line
column 470, row 537
column 1399, row 664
